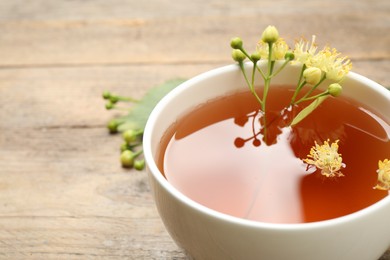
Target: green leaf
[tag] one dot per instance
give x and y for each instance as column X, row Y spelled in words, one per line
column 307, row 110
column 139, row 114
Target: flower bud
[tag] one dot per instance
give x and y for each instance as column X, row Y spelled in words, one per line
column 335, row 89
column 109, row 105
column 236, row 43
column 139, row 165
column 270, row 34
column 124, row 147
column 289, row 56
column 114, row 99
column 113, row 126
column 106, row 94
column 238, row 55
column 255, row 57
column 312, row 75
column 129, row 136
column 127, row 158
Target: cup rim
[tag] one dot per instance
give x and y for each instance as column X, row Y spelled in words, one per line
column 158, row 176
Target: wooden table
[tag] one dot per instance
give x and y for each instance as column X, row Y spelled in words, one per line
column 63, row 193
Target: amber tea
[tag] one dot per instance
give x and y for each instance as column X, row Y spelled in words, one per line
column 228, row 156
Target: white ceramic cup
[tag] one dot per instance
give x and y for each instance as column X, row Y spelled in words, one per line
column 207, row 234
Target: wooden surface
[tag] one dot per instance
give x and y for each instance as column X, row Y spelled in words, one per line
column 63, row 194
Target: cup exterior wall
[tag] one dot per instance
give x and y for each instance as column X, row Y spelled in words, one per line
column 206, row 234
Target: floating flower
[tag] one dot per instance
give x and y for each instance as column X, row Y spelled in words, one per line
column 326, row 158
column 330, row 62
column 279, row 49
column 303, row 52
column 383, row 175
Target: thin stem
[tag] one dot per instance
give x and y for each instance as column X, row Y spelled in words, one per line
column 261, row 72
column 267, row 82
column 251, row 87
column 299, row 85
column 265, row 93
column 314, row 87
column 134, row 145
column 301, row 74
column 121, row 108
column 128, row 99
column 137, row 153
column 268, row 77
column 313, row 97
column 253, row 73
column 245, row 53
column 272, row 68
column 280, row 69
column 297, row 90
column 269, row 58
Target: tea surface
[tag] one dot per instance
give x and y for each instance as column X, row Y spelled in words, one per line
column 216, row 156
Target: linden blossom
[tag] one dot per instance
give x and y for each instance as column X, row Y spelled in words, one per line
column 303, row 51
column 316, row 67
column 383, row 175
column 327, row 158
column 279, row 49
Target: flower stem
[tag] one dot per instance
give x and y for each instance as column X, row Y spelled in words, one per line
column 261, row 72
column 299, row 86
column 250, row 85
column 127, row 99
column 268, row 77
column 121, row 108
column 325, row 93
column 245, row 53
column 280, row 69
column 314, row 87
column 138, row 153
column 297, row 90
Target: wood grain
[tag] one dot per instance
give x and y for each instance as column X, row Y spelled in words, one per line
column 179, row 35
column 63, row 194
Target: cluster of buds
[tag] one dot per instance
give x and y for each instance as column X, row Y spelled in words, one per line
column 129, row 154
column 112, row 100
column 130, row 151
column 316, row 66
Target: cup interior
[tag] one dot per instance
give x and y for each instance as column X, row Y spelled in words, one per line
column 221, row 81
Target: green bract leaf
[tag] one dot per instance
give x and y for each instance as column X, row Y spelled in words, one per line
column 307, row 110
column 138, row 115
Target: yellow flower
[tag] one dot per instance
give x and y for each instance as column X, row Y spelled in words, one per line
column 303, row 52
column 383, row 175
column 279, row 49
column 326, row 158
column 329, row 61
